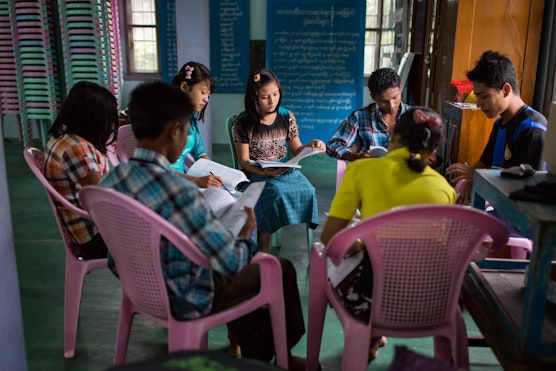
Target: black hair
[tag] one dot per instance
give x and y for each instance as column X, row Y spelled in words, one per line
column 420, row 138
column 494, row 70
column 89, row 111
column 154, row 105
column 199, row 73
column 383, row 79
column 257, row 80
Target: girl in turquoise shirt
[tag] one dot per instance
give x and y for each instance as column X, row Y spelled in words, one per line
column 195, row 80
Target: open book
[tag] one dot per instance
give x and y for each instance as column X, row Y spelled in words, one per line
column 293, row 162
column 231, row 178
column 229, row 209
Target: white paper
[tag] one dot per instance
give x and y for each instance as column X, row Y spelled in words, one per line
column 230, row 210
column 293, row 162
column 230, row 177
column 336, row 273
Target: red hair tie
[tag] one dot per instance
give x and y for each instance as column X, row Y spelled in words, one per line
column 420, row 117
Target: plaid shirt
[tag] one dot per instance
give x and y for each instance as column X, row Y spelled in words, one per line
column 68, row 159
column 362, row 129
column 149, row 178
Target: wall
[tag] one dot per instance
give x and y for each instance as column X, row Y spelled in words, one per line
column 510, row 27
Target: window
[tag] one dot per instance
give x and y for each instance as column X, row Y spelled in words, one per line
column 385, row 39
column 142, row 44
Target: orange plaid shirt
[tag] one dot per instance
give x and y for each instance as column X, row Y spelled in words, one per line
column 68, row 159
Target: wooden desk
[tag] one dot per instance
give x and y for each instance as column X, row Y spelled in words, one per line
column 516, row 321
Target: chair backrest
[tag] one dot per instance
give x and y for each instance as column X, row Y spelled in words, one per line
column 35, row 160
column 132, row 232
column 126, row 143
column 419, row 255
column 230, row 130
column 111, row 154
column 340, row 171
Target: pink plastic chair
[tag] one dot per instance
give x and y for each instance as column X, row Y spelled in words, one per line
column 132, row 233
column 126, row 143
column 340, row 171
column 419, row 255
column 111, row 154
column 519, row 246
column 76, row 269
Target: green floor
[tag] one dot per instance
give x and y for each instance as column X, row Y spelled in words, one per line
column 40, row 260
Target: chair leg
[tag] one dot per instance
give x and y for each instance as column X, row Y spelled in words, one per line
column 461, row 346
column 309, row 241
column 75, row 275
column 356, row 347
column 317, row 310
column 124, row 329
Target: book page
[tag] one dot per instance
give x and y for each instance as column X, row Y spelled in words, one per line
column 337, row 273
column 293, row 162
column 230, row 177
column 229, row 210
column 305, row 152
column 219, row 200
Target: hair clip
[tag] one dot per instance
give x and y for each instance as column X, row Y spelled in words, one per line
column 188, row 71
column 257, row 77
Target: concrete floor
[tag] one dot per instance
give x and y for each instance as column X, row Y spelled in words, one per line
column 40, row 261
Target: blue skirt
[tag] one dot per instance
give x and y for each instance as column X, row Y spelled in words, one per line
column 286, row 200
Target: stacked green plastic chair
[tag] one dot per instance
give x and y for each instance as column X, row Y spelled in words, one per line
column 9, row 99
column 36, row 79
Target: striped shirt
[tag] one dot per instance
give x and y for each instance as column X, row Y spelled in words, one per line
column 149, row 178
column 362, row 129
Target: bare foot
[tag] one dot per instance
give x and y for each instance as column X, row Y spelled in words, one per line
column 234, row 350
column 376, row 343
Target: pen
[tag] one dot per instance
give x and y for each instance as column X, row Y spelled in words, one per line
column 223, row 186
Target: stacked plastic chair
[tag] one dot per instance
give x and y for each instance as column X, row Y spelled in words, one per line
column 81, row 44
column 113, row 48
column 35, row 73
column 90, row 43
column 9, row 99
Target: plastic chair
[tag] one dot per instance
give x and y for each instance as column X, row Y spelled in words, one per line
column 126, row 143
column 276, row 237
column 133, row 233
column 519, row 245
column 76, row 269
column 419, row 255
column 340, row 171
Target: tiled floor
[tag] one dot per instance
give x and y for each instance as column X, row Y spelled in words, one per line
column 40, row 260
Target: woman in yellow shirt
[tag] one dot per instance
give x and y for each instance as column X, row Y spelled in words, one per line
column 374, row 185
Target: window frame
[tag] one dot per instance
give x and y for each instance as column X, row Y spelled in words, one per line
column 127, row 54
column 380, row 30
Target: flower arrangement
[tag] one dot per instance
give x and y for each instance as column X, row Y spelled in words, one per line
column 463, row 87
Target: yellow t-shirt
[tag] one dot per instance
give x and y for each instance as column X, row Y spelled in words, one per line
column 377, row 184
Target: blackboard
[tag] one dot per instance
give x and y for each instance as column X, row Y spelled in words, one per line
column 168, row 39
column 316, row 48
column 229, row 44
